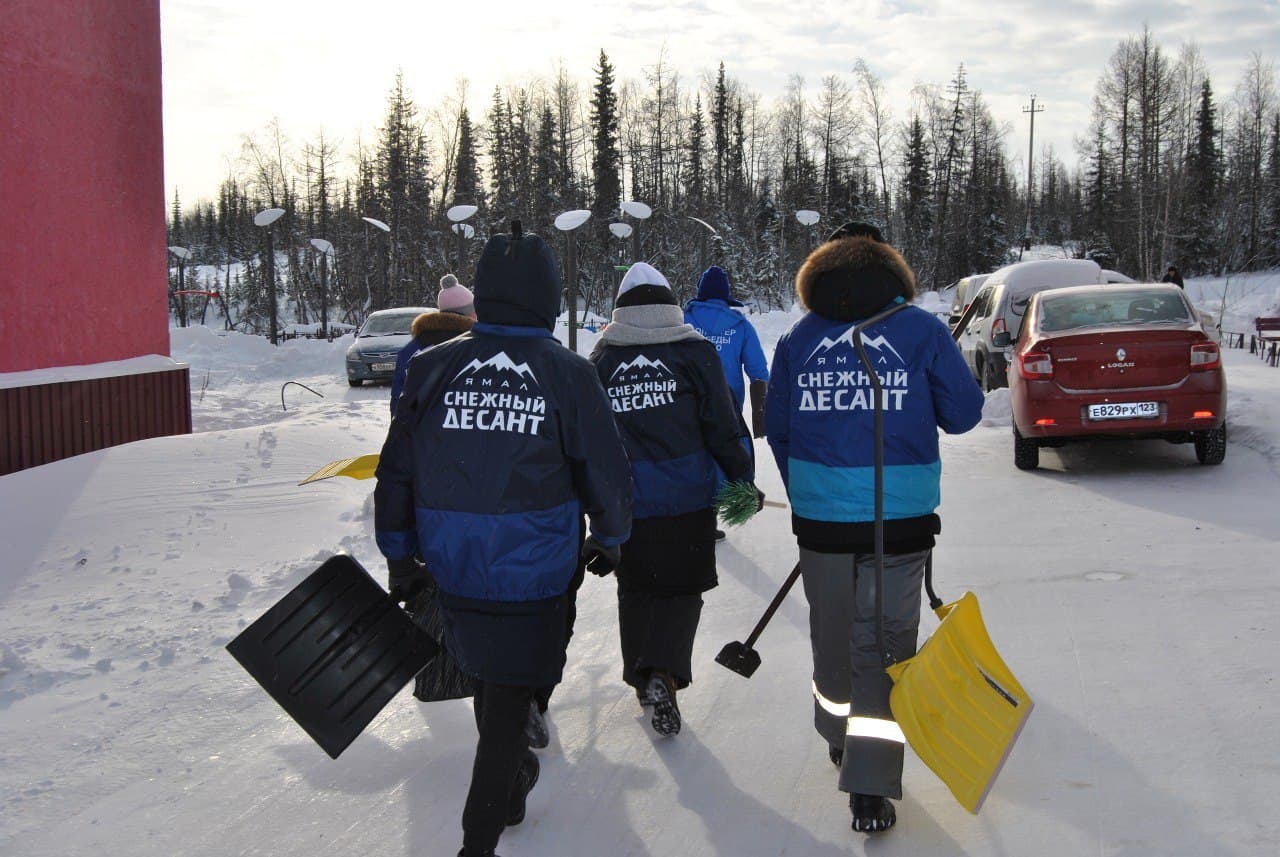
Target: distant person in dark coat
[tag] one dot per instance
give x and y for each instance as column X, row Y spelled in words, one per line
column 501, row 441
column 456, row 315
column 1173, row 275
column 678, row 421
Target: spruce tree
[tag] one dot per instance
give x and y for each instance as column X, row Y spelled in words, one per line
column 606, row 162
column 695, row 176
column 466, row 180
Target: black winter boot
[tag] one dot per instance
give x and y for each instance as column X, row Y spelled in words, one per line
column 871, row 813
column 666, row 715
column 488, row 852
column 526, row 779
column 536, row 729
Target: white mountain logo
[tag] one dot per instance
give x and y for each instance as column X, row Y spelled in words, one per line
column 639, row 364
column 846, row 339
column 499, row 362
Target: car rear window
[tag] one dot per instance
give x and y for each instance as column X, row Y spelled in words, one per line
column 385, row 325
column 1113, row 306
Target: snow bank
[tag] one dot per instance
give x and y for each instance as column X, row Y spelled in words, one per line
column 244, row 357
column 997, row 410
column 1247, row 296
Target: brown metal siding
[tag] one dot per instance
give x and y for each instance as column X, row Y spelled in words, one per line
column 46, row 422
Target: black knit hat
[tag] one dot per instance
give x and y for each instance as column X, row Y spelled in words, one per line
column 517, row 281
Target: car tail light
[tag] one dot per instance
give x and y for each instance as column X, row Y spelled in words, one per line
column 1203, row 415
column 1046, row 422
column 1205, row 355
column 1035, row 365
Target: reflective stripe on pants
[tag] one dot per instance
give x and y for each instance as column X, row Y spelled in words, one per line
column 850, row 687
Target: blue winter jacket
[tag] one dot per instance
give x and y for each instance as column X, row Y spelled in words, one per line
column 675, row 416
column 501, row 440
column 736, row 342
column 820, row 419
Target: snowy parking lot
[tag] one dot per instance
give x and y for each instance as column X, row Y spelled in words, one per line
column 1130, row 589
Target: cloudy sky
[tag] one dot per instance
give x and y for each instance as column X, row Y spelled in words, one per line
column 230, row 66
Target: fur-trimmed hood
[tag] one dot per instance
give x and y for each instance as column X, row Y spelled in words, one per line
column 851, row 278
column 447, row 322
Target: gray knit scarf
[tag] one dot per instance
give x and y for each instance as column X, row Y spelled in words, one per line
column 647, row 324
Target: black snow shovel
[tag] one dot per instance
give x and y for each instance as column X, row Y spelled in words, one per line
column 742, row 658
column 333, row 652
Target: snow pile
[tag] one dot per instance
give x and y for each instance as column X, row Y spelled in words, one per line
column 245, row 357
column 997, row 410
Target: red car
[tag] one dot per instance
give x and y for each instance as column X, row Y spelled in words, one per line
column 1128, row 361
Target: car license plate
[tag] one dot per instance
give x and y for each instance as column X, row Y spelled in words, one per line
column 383, row 367
column 1125, row 411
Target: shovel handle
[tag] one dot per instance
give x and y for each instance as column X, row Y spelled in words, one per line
column 773, row 606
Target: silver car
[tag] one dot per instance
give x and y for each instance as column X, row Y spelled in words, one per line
column 372, row 357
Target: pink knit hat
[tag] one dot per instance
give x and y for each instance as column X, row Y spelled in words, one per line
column 455, row 298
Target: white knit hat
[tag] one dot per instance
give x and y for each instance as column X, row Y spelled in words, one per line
column 642, row 274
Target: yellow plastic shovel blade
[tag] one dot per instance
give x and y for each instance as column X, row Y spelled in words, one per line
column 362, row 467
column 959, row 705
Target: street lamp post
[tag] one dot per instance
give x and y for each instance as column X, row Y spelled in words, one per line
column 376, row 224
column 182, row 254
column 324, row 248
column 702, row 240
column 264, row 219
column 457, row 214
column 808, row 219
column 623, row 231
column 568, row 222
column 640, row 212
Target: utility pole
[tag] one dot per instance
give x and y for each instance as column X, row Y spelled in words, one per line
column 1031, row 150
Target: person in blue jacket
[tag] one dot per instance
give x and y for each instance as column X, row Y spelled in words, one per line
column 677, row 420
column 455, row 316
column 820, row 427
column 713, row 314
column 501, row 440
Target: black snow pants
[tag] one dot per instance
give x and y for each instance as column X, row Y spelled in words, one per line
column 850, row 685
column 657, row 633
column 501, row 713
column 543, row 694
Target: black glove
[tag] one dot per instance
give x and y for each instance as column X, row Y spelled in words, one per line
column 407, row 577
column 759, row 499
column 758, row 391
column 600, row 559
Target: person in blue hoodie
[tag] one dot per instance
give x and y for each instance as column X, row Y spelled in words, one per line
column 677, row 420
column 501, row 440
column 713, row 314
column 820, row 416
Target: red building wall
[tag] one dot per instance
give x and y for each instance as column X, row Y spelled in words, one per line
column 83, row 275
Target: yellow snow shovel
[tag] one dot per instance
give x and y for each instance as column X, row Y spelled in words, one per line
column 361, row 467
column 958, row 704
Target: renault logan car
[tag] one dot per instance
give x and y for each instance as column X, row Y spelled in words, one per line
column 1116, row 361
column 372, row 357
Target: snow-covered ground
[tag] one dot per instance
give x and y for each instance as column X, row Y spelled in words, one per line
column 1130, row 589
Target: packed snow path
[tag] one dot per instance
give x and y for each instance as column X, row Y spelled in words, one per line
column 1132, row 591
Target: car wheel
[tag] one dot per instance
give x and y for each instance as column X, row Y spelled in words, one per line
column 1026, row 451
column 1211, row 445
column 355, row 382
